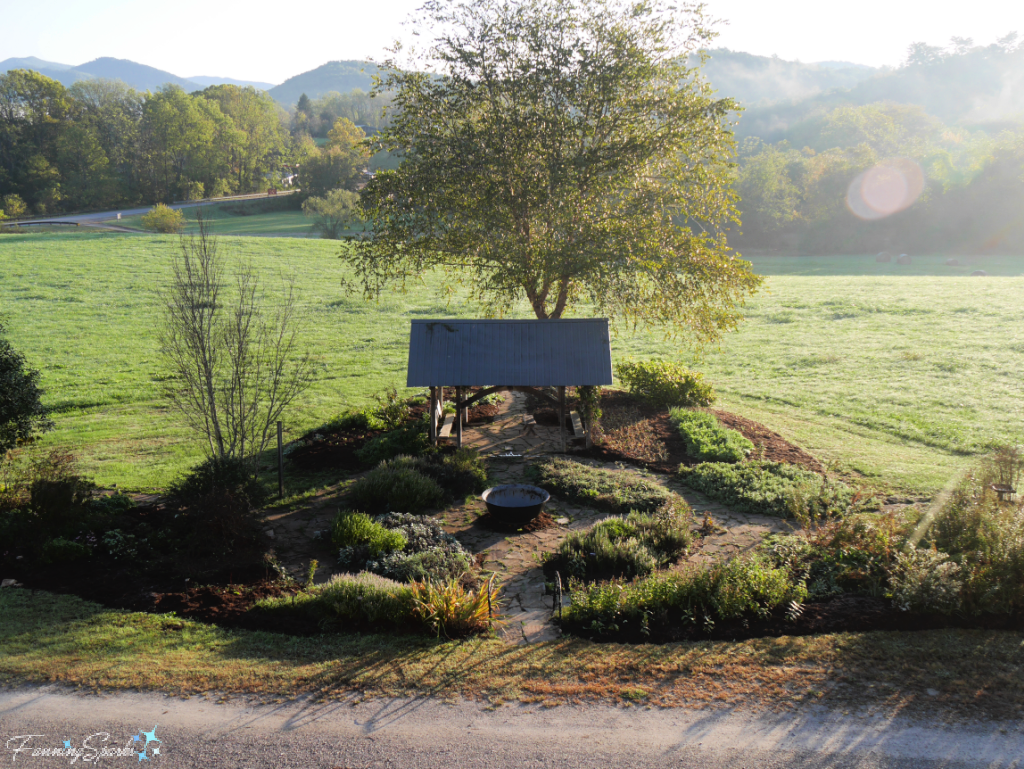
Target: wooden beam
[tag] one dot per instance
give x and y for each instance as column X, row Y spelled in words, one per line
column 561, row 416
column 432, row 406
column 458, row 417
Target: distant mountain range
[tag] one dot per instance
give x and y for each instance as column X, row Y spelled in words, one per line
column 779, row 97
column 138, row 76
column 761, row 80
column 752, row 80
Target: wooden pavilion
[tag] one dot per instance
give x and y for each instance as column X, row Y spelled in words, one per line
column 523, row 355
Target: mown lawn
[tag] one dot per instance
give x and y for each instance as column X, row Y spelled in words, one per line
column 293, row 224
column 46, row 638
column 900, row 377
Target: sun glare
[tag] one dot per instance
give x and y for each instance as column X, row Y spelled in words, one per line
column 885, row 189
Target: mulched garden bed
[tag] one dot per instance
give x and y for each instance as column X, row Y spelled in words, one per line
column 842, row 614
column 541, row 522
column 770, row 444
column 336, row 449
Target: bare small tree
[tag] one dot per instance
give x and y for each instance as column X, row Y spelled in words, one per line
column 237, row 364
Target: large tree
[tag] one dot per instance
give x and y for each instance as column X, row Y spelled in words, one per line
column 561, row 152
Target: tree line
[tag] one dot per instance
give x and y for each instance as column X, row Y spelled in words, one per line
column 102, row 144
column 798, row 195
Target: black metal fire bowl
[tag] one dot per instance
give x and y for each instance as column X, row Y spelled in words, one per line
column 515, row 503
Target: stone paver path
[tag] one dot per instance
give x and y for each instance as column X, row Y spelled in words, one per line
column 508, row 434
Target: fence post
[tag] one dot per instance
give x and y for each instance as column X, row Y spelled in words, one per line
column 280, row 460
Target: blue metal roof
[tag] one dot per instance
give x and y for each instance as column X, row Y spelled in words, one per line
column 525, row 353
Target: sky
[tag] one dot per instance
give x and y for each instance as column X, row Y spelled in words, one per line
column 263, row 41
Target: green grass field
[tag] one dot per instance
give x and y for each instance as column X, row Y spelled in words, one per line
column 292, row 224
column 900, row 377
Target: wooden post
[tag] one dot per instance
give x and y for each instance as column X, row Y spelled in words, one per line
column 458, row 417
column 280, row 460
column 432, row 432
column 561, row 416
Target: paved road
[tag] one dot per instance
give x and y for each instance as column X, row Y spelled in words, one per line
column 427, row 733
column 126, row 212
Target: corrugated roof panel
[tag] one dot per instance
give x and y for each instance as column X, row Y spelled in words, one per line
column 538, row 353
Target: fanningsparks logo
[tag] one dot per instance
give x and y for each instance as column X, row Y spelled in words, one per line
column 93, row 748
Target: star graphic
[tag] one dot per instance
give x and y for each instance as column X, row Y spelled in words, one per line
column 151, row 736
column 67, row 743
column 156, row 751
column 143, row 756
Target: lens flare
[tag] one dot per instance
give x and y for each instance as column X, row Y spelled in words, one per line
column 885, row 189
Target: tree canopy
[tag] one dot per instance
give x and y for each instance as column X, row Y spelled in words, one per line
column 101, row 144
column 560, row 153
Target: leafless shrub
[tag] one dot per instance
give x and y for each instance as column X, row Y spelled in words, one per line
column 237, row 364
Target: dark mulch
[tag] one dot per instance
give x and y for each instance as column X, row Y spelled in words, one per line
column 842, row 614
column 336, row 449
column 229, row 606
column 541, row 522
column 776, row 448
column 771, row 445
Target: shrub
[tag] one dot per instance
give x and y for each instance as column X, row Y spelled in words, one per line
column 333, row 213
column 460, row 474
column 707, row 440
column 221, row 501
column 926, row 580
column 355, row 529
column 851, row 555
column 111, row 505
column 391, row 410
column 163, row 219
column 62, row 550
column 14, row 207
column 633, row 546
column 120, row 546
column 985, row 536
column 435, row 563
column 428, row 553
column 353, row 419
column 700, row 597
column 410, row 439
column 361, row 598
column 615, row 491
column 217, row 475
column 395, row 486
column 665, row 384
column 768, row 488
column 450, row 608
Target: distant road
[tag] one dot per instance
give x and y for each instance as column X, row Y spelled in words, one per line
column 104, row 216
column 427, row 733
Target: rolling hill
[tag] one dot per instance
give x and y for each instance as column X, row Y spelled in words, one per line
column 340, row 76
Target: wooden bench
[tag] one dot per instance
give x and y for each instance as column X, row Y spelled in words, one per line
column 446, row 426
column 577, row 425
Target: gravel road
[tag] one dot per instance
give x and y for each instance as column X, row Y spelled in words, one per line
column 427, row 733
